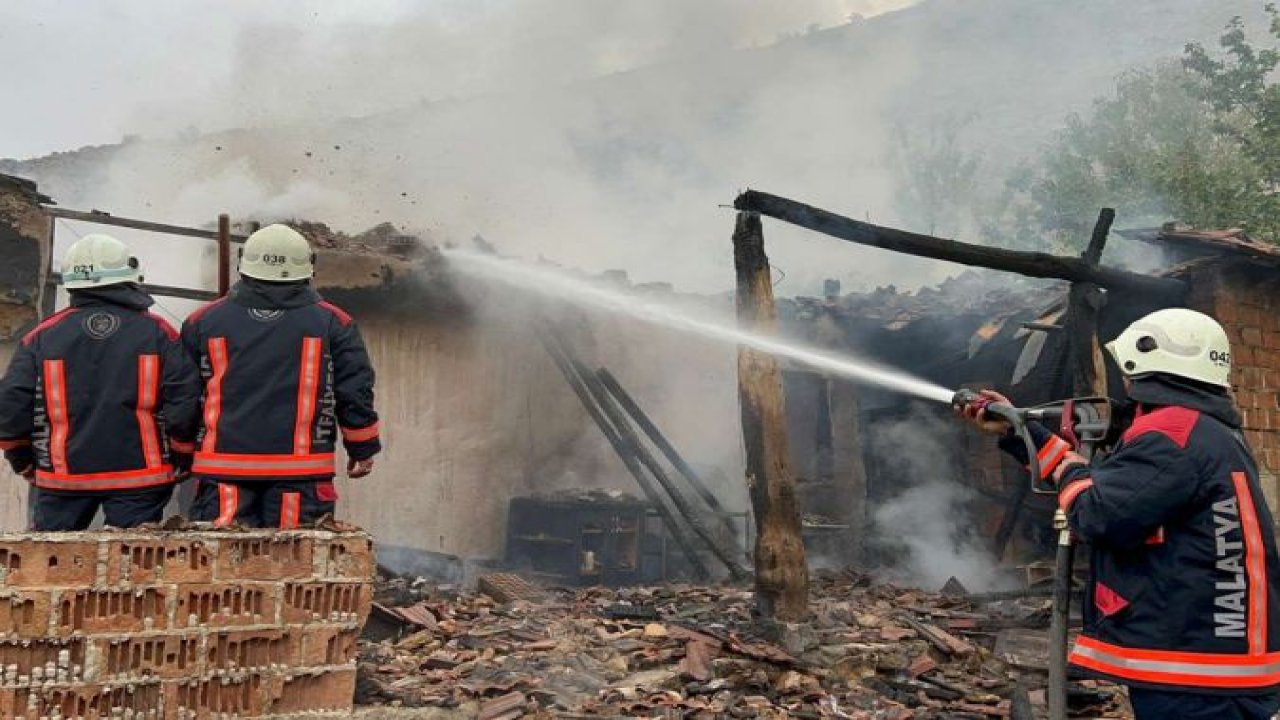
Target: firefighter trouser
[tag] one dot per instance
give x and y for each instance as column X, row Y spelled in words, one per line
column 54, row 510
column 1168, row 705
column 263, row 503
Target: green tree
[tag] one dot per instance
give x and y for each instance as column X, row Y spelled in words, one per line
column 936, row 175
column 1238, row 87
column 1196, row 141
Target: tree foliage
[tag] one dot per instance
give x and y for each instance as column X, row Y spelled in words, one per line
column 937, row 174
column 1196, row 141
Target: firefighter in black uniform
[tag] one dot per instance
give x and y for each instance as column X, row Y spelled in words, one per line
column 100, row 403
column 1183, row 605
column 285, row 374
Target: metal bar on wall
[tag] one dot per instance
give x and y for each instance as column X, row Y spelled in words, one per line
column 108, row 219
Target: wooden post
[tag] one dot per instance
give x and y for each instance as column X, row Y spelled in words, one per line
column 782, row 575
column 224, row 254
column 611, row 433
column 1084, row 303
column 850, row 472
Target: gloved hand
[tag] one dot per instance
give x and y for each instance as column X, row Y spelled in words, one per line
column 359, row 468
column 181, row 464
column 977, row 414
column 23, row 460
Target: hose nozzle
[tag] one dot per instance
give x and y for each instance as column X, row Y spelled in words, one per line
column 965, row 399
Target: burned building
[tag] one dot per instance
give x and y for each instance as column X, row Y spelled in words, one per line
column 476, row 413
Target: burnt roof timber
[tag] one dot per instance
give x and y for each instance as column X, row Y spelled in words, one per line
column 1030, row 264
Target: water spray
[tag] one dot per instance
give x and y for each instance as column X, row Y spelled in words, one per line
column 557, row 283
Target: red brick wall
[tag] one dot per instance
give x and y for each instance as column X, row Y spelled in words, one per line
column 181, row 624
column 1246, row 300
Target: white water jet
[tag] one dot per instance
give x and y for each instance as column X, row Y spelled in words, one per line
column 546, row 281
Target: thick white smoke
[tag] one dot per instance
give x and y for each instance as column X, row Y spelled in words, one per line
column 929, row 522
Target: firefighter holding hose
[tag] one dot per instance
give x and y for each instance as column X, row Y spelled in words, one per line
column 1183, row 605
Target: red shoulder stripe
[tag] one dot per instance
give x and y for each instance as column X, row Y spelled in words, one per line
column 48, row 322
column 1173, row 422
column 164, row 325
column 343, row 317
column 200, row 311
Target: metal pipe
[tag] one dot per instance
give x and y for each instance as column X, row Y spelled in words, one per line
column 107, row 219
column 1064, row 566
column 162, row 290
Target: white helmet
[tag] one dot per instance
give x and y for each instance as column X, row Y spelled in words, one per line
column 277, row 253
column 98, row 260
column 1178, row 342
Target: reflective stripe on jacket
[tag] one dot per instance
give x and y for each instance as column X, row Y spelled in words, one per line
column 102, row 390
column 1185, row 586
column 286, row 375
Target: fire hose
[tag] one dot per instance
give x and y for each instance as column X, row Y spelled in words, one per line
column 1083, row 423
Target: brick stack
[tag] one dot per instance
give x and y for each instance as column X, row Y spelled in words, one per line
column 178, row 625
column 1246, row 300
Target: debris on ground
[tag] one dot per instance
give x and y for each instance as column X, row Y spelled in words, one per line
column 870, row 652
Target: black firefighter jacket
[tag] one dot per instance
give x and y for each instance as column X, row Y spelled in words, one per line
column 1185, row 590
column 101, row 390
column 284, row 373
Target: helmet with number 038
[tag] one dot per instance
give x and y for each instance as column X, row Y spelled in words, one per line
column 99, row 260
column 277, row 253
column 1178, row 342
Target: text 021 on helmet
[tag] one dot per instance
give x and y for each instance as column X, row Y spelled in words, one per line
column 98, row 260
column 1175, row 341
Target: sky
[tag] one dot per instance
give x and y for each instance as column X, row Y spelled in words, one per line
column 83, row 72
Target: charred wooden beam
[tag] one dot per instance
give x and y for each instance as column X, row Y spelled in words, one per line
column 782, row 576
column 686, row 511
column 1031, row 264
column 627, row 435
column 660, row 441
column 579, row 386
column 1084, row 303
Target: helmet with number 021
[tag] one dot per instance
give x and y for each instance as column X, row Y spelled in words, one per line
column 98, row 260
column 1178, row 342
column 277, row 253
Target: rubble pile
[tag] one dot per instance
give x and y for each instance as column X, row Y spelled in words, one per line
column 382, row 239
column 971, row 292
column 870, row 651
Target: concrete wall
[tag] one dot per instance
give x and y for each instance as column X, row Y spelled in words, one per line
column 475, row 413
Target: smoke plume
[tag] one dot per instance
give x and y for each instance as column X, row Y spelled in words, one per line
column 927, row 527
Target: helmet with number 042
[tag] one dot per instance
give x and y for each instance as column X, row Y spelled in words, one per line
column 1177, row 342
column 98, row 260
column 277, row 253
